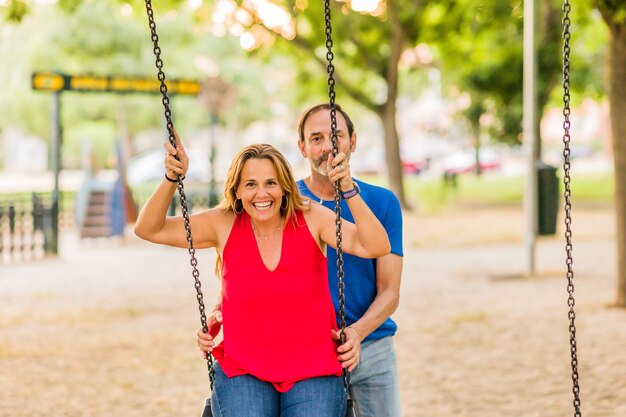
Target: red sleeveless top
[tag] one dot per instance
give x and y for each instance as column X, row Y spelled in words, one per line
column 277, row 324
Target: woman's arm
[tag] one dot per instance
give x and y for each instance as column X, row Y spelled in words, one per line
column 154, row 225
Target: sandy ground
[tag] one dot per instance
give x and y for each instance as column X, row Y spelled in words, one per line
column 108, row 328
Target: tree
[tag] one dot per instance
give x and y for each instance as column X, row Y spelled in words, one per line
column 367, row 48
column 481, row 48
column 614, row 14
column 95, row 37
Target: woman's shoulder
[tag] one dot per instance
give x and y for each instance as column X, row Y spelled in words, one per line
column 314, row 212
column 217, row 213
column 221, row 219
column 309, row 205
column 305, row 204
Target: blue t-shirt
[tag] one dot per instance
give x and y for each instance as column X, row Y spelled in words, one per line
column 360, row 273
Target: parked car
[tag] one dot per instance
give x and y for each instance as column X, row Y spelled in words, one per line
column 413, row 167
column 462, row 162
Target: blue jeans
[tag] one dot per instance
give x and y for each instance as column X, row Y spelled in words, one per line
column 374, row 382
column 247, row 396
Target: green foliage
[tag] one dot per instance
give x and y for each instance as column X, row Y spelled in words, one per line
column 481, row 47
column 16, row 10
column 100, row 135
column 614, row 11
column 590, row 38
column 478, row 43
column 361, row 47
column 69, row 6
column 95, row 37
column 434, row 195
column 160, row 7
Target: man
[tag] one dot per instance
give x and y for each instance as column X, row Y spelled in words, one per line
column 372, row 286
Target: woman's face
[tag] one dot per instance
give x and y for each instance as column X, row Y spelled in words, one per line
column 259, row 189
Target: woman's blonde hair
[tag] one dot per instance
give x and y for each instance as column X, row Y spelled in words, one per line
column 291, row 201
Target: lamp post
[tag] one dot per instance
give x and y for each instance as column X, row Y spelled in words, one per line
column 215, row 96
column 530, row 139
column 212, row 153
column 51, row 233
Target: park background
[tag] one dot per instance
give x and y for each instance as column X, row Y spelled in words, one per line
column 106, row 325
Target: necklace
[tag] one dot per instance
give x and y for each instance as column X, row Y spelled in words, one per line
column 267, row 235
column 322, row 199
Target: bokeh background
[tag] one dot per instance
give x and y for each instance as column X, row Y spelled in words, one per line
column 95, row 322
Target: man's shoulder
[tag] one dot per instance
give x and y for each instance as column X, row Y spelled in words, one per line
column 304, row 190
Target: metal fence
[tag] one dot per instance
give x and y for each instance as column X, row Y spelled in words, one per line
column 27, row 227
column 28, row 230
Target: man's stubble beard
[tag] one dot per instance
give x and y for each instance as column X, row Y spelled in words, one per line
column 320, row 165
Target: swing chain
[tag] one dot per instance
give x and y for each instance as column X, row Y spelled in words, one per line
column 330, row 68
column 568, row 205
column 181, row 191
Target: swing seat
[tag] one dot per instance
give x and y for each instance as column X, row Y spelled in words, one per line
column 206, row 411
column 351, row 409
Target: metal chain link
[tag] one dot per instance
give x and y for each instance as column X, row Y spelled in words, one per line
column 330, row 68
column 568, row 205
column 181, row 191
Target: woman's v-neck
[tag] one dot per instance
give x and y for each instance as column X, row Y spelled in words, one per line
column 258, row 249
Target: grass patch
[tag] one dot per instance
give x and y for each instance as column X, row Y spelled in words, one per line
column 432, row 195
column 593, row 188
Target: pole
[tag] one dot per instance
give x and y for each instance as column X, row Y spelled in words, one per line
column 530, row 139
column 212, row 154
column 52, row 245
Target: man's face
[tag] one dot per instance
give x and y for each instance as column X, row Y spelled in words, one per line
column 317, row 143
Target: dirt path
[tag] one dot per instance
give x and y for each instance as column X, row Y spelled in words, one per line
column 108, row 329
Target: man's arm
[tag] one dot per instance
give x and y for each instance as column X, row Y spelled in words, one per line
column 388, row 273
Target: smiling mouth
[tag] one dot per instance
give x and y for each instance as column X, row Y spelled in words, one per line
column 262, row 206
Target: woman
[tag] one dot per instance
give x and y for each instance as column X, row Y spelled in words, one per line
column 278, row 356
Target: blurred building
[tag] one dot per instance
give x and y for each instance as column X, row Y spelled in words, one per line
column 23, row 152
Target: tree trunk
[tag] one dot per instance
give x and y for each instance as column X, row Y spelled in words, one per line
column 476, row 134
column 548, row 61
column 617, row 101
column 392, row 151
column 387, row 112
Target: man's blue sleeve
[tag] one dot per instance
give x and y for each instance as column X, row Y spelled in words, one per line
column 392, row 223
